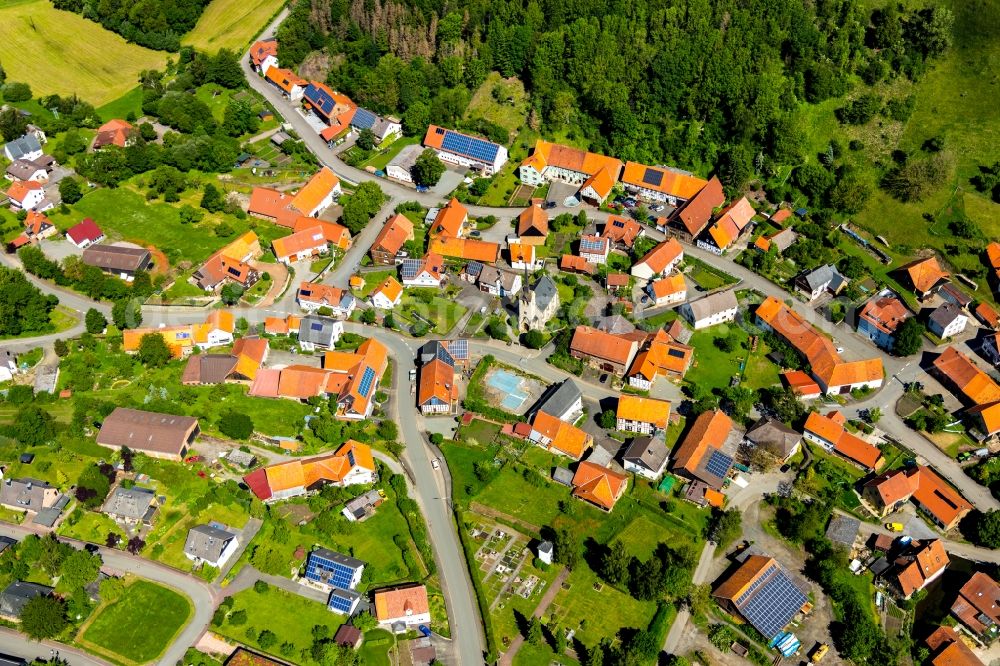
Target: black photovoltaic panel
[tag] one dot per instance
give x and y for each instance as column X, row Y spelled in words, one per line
column 410, row 268
column 618, row 223
column 757, row 583
column 469, row 146
column 459, row 349
column 652, row 177
column 363, row 118
column 676, row 353
column 774, row 605
column 594, row 244
column 719, row 464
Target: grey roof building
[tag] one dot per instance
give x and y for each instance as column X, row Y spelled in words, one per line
column 17, row 595
column 943, row 322
column 560, row 400
column 209, row 543
column 843, row 531
column 778, row 439
column 504, row 282
column 19, row 148
column 131, row 504
column 319, row 331
column 563, row 475
column 614, row 324
column 241, row 458
column 362, row 507
column 22, row 169
column 712, row 309
column 27, row 494
column 824, row 278
column 404, row 160
column 117, row 258
column 646, row 456
column 545, row 291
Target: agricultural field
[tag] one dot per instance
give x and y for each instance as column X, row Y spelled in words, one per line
column 62, row 52
column 230, row 24
column 140, row 625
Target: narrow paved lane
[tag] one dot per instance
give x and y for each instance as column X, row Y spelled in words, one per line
column 16, row 644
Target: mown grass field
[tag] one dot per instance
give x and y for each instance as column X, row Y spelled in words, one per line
column 139, row 626
column 61, row 52
column 230, row 24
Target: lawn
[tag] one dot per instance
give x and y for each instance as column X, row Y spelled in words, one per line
column 139, row 626
column 443, row 313
column 130, row 102
column 167, row 545
column 509, row 111
column 91, row 527
column 381, row 159
column 126, row 215
column 712, row 367
column 231, row 24
column 62, row 52
column 373, row 280
column 289, row 616
column 707, row 277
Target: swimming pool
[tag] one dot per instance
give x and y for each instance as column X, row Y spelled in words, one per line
column 509, row 385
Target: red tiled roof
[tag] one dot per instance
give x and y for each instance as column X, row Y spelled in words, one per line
column 698, row 211
column 87, row 230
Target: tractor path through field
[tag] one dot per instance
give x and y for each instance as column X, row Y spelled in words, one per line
column 543, row 605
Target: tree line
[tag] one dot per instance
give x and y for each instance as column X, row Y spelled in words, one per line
column 155, row 24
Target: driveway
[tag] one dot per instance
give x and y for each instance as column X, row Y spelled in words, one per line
column 450, row 179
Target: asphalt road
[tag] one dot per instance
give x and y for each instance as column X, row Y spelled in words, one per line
column 16, row 644
column 118, row 561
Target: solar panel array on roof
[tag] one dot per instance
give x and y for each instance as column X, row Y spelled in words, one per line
column 316, row 326
column 459, row 349
column 473, row 268
column 774, row 605
column 591, row 244
column 469, row 146
column 618, row 223
column 676, row 353
column 442, row 354
column 757, row 583
column 363, row 119
column 719, row 464
column 439, row 130
column 320, row 99
column 652, row 177
column 342, row 600
column 410, row 268
column 367, row 381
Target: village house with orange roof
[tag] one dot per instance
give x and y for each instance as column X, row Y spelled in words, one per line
column 558, row 436
column 312, row 296
column 428, row 271
column 388, row 245
column 285, row 209
column 690, row 220
column 924, row 276
column 659, row 261
column 834, row 375
column 920, row 484
column 701, row 455
column 351, row 464
column 644, row 416
column 216, row 331
column 662, row 355
column 291, row 85
column 28, row 195
column 598, row 485
column 669, row 290
column 879, row 318
column 115, row 132
column 593, row 249
column 571, row 263
column 451, row 220
column 263, row 55
column 656, row 184
column 404, row 607
column 829, row 432
column 288, row 325
column 232, row 263
column 728, row 227
column 533, row 225
column 337, row 235
column 977, row 606
column 300, row 245
column 948, row 648
column 762, row 592
column 468, row 249
column 604, row 351
column 522, row 257
column 594, row 174
column 622, row 231
column 466, row 150
column 387, row 295
column 977, row 390
column 920, row 566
